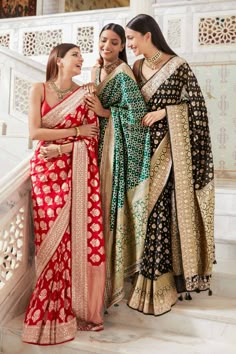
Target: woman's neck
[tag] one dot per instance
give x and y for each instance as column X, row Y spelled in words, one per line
column 63, row 82
column 150, row 51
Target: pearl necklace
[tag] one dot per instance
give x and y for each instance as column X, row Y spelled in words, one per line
column 153, row 61
column 60, row 92
column 110, row 67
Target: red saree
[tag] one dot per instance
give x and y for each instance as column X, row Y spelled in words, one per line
column 70, row 259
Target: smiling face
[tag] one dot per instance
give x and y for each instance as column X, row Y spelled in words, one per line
column 110, row 46
column 136, row 41
column 72, row 61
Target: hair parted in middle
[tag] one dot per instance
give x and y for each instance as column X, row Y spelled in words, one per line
column 144, row 23
column 119, row 30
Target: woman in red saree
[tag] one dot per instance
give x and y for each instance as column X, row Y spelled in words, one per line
column 70, row 260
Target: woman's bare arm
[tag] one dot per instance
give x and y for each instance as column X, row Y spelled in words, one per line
column 35, row 120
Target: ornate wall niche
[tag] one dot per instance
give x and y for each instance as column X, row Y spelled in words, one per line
column 17, row 8
column 74, row 5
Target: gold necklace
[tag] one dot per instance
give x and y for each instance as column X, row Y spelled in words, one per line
column 110, row 67
column 60, row 92
column 153, row 61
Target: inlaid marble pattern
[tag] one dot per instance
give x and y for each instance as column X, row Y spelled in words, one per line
column 219, row 89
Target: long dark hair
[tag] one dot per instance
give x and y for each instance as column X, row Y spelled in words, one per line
column 57, row 52
column 119, row 30
column 144, row 23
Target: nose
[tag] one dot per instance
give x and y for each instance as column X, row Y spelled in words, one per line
column 106, row 46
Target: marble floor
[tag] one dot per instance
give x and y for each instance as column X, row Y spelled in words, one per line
column 206, row 325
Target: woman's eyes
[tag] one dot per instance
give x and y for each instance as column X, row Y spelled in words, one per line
column 113, row 43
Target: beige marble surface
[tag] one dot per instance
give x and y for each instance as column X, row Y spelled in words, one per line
column 203, row 326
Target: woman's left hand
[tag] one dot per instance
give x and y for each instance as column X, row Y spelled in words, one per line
column 150, row 118
column 49, row 151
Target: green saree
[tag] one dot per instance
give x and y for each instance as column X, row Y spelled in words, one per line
column 124, row 156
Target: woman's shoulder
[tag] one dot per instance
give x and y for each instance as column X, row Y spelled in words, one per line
column 37, row 89
column 37, row 86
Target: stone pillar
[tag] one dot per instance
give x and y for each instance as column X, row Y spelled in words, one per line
column 141, row 7
column 61, row 7
column 50, row 7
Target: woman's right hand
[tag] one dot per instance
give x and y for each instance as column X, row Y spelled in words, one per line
column 90, row 130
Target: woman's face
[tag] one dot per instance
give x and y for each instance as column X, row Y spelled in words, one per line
column 110, row 45
column 72, row 61
column 136, row 41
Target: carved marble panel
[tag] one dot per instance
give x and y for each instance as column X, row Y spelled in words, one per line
column 85, row 39
column 217, row 30
column 36, row 43
column 20, row 92
column 5, row 40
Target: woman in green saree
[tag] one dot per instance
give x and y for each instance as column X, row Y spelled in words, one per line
column 124, row 155
column 179, row 245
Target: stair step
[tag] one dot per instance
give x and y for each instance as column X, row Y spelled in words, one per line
column 180, row 331
column 225, row 249
column 224, row 284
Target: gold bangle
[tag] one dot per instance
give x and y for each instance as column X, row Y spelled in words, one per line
column 77, row 132
column 59, row 150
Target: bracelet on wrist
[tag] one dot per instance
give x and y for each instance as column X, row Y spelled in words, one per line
column 77, row 130
column 59, row 150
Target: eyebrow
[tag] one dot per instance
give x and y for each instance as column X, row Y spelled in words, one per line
column 113, row 39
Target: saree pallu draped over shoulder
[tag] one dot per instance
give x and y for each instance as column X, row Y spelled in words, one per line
column 124, row 154
column 179, row 246
column 70, row 257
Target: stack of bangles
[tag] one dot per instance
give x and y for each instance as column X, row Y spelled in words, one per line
column 77, row 132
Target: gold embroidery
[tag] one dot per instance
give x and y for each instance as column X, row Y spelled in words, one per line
column 124, row 68
column 194, row 221
column 50, row 333
column 51, row 242
column 161, row 76
column 153, row 296
column 79, row 231
column 159, row 172
column 68, row 106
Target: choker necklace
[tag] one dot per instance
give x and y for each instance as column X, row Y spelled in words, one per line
column 60, row 93
column 153, row 61
column 110, row 67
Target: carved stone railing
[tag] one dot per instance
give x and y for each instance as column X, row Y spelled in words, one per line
column 17, row 73
column 16, row 245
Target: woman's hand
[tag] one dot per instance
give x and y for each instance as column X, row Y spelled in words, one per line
column 95, row 105
column 54, row 150
column 49, row 151
column 90, row 130
column 91, row 87
column 150, row 118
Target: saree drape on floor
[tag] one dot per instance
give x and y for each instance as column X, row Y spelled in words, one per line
column 70, row 258
column 124, row 154
column 179, row 246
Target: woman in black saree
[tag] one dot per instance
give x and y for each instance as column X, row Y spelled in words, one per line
column 179, row 246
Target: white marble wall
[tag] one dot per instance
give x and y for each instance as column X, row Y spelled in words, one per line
column 204, row 33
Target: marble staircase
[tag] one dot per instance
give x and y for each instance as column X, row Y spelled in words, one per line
column 205, row 325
